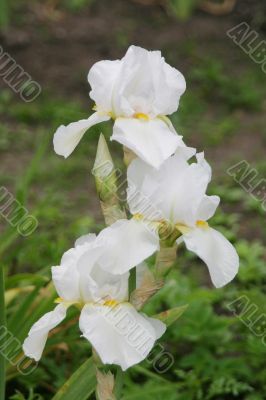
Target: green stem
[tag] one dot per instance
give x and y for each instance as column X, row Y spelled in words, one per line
column 2, row 324
column 132, row 281
column 119, row 381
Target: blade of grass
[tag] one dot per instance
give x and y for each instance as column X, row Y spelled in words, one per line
column 2, row 325
column 119, row 382
column 22, row 189
column 26, row 179
column 3, row 14
column 80, row 385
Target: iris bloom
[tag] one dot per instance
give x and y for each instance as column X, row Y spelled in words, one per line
column 173, row 196
column 137, row 92
column 119, row 334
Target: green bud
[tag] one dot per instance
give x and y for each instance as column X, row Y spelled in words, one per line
column 104, row 171
column 106, row 183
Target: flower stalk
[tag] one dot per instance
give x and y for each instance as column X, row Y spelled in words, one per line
column 166, row 196
column 119, row 382
column 165, row 259
column 106, row 185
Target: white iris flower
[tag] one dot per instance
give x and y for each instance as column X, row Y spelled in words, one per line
column 137, row 92
column 174, row 195
column 119, row 334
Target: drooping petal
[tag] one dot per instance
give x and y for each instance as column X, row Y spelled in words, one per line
column 102, row 78
column 126, row 243
column 151, row 140
column 183, row 150
column 66, row 138
column 119, row 334
column 216, row 251
column 34, row 344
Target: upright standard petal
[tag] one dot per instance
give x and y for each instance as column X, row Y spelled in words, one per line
column 66, row 138
column 151, row 140
column 147, row 84
column 85, row 239
column 34, row 344
column 66, row 277
column 204, row 164
column 66, row 281
column 174, row 192
column 207, row 207
column 216, row 251
column 126, row 243
column 120, row 334
column 102, row 77
column 96, row 284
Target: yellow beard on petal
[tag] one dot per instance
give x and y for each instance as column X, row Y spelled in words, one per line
column 111, row 303
column 145, row 117
column 69, row 303
column 138, row 217
column 80, row 305
column 202, row 224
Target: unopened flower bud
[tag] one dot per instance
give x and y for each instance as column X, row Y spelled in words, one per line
column 104, row 171
column 106, row 183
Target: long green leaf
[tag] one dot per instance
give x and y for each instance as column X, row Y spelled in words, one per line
column 15, row 281
column 80, row 385
column 22, row 188
column 3, row 14
column 2, row 324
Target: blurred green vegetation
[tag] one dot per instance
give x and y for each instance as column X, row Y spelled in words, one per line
column 216, row 357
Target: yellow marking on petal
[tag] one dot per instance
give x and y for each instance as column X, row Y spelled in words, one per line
column 166, row 120
column 145, row 117
column 138, row 217
column 59, row 300
column 67, row 303
column 109, row 113
column 111, row 303
column 202, row 224
column 112, row 115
